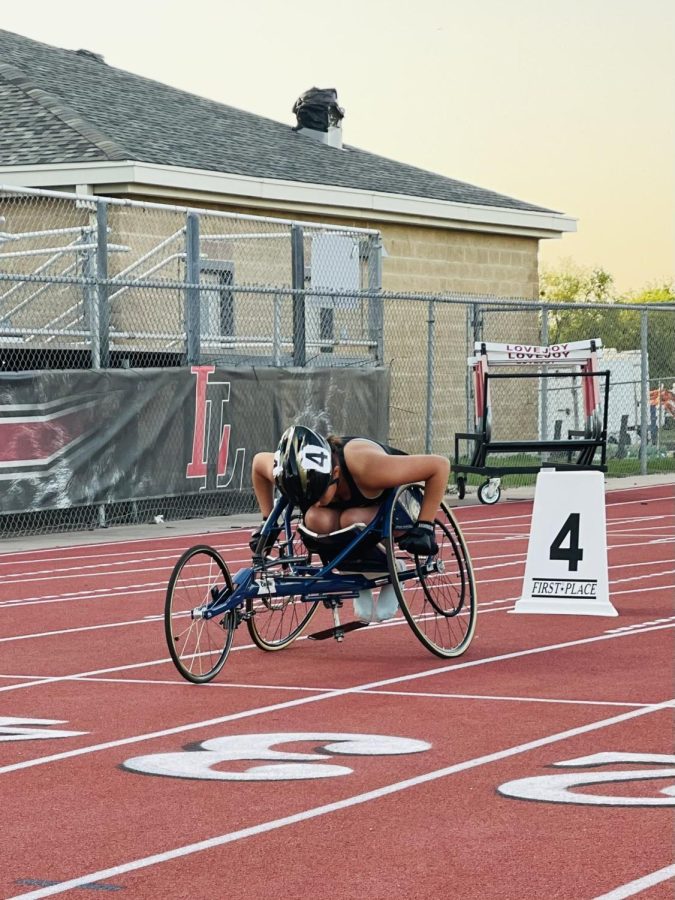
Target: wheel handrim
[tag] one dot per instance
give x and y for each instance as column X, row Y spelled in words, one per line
column 439, row 604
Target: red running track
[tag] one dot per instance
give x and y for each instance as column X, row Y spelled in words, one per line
column 539, row 764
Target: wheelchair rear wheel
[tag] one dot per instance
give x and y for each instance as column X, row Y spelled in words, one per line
column 437, row 594
column 198, row 646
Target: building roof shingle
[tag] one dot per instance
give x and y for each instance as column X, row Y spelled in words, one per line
column 65, row 106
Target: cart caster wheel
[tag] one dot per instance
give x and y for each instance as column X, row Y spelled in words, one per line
column 489, row 492
column 461, row 488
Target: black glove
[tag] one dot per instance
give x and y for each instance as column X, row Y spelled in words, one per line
column 420, row 540
column 269, row 540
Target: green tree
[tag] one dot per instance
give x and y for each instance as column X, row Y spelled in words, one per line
column 660, row 330
column 573, row 284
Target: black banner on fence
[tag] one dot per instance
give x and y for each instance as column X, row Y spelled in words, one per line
column 80, row 438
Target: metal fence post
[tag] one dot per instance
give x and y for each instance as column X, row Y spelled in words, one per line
column 298, row 284
column 468, row 338
column 276, row 331
column 103, row 324
column 644, row 389
column 91, row 297
column 192, row 293
column 474, row 333
column 100, row 309
column 543, row 396
column 431, row 320
column 375, row 303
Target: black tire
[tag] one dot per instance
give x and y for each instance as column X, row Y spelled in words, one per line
column 487, row 495
column 461, row 487
column 440, row 602
column 275, row 622
column 198, row 647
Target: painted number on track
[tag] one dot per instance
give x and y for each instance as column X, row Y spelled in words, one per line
column 15, row 729
column 561, row 788
column 279, row 764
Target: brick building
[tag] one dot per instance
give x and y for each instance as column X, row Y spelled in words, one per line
column 68, row 120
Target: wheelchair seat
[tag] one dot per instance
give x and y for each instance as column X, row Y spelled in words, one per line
column 368, row 557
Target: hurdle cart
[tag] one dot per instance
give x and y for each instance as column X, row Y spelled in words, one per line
column 582, row 448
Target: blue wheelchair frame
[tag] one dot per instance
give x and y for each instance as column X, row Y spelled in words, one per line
column 312, row 583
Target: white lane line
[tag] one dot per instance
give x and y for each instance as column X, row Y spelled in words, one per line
column 481, row 606
column 200, row 537
column 9, row 557
column 640, row 500
column 109, row 558
column 642, row 576
column 507, row 699
column 105, row 593
column 506, row 529
column 99, row 569
column 640, row 519
column 636, row 565
column 132, row 590
column 481, row 582
column 106, row 573
column 640, row 884
column 650, row 590
column 346, row 803
column 37, row 677
column 160, row 617
column 105, row 569
column 112, row 591
column 433, row 695
column 493, row 516
column 288, row 704
column 641, row 543
column 637, row 532
column 516, row 556
column 485, row 581
column 26, row 576
column 44, row 634
column 185, row 685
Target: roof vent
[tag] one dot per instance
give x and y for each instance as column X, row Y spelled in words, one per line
column 319, row 116
column 90, row 55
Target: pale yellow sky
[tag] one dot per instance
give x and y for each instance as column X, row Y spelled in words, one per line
column 568, row 104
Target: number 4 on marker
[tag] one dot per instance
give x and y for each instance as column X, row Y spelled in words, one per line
column 572, row 554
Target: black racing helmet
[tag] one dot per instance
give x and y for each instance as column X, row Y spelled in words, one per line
column 302, row 466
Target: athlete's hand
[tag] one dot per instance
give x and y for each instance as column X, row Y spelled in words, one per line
column 420, row 540
column 269, row 540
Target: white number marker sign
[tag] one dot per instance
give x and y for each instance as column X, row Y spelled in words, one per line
column 566, row 569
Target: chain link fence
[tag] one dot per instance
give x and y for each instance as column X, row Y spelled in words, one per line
column 98, row 283
column 88, row 283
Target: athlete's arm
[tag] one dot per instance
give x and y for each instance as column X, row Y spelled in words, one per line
column 373, row 469
column 263, row 481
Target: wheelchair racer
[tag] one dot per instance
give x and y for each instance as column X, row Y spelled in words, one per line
column 337, row 481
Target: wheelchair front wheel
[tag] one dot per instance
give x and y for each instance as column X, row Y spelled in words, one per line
column 198, row 646
column 439, row 599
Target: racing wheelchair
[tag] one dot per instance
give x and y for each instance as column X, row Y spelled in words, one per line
column 279, row 593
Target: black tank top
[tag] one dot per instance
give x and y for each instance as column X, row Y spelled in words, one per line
column 356, row 498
